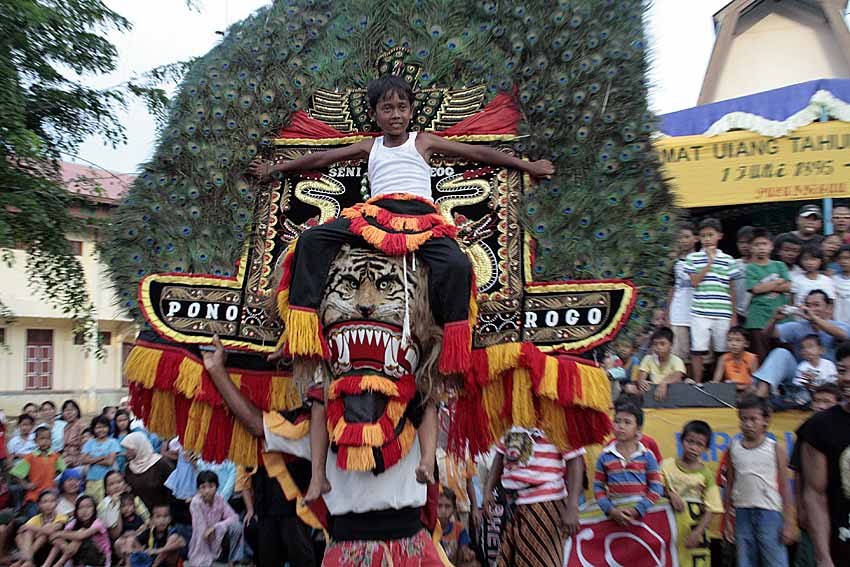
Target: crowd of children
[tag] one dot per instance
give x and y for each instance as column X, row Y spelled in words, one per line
column 76, row 495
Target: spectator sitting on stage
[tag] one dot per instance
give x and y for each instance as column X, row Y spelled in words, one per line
column 768, row 282
column 737, row 365
column 787, row 251
column 841, row 282
column 811, row 260
column 681, row 293
column 831, row 245
column 780, row 366
column 744, row 240
column 812, row 371
column 661, row 368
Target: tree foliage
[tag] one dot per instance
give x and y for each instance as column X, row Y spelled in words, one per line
column 47, row 47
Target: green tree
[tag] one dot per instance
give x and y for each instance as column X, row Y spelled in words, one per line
column 47, row 47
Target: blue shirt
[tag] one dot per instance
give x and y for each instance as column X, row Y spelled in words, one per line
column 794, row 332
column 95, row 448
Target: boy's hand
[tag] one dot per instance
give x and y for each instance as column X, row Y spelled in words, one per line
column 569, row 521
column 788, row 534
column 644, row 385
column 661, row 392
column 485, row 507
column 540, row 168
column 215, row 360
column 619, row 517
column 693, row 539
column 208, row 533
column 260, row 169
column 729, row 532
column 676, row 502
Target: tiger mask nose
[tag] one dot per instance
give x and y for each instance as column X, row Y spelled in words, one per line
column 366, row 310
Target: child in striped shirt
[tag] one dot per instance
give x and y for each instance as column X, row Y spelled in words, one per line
column 627, row 482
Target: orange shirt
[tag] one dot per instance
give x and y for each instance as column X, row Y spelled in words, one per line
column 41, row 470
column 739, row 371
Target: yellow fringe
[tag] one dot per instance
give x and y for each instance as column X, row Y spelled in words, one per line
column 360, row 459
column 243, row 446
column 395, row 409
column 373, row 435
column 283, row 312
column 554, row 423
column 337, row 430
column 197, row 427
column 502, row 358
column 162, row 419
column 277, row 469
column 373, row 235
column 303, row 332
column 141, row 366
column 549, row 383
column 493, row 396
column 595, row 388
column 380, row 385
column 523, row 400
column 189, row 377
column 406, row 437
column 283, row 394
column 473, row 311
column 281, row 427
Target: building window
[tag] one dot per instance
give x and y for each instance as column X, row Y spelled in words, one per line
column 79, row 338
column 105, row 338
column 2, row 336
column 125, row 354
column 76, row 247
column 39, row 359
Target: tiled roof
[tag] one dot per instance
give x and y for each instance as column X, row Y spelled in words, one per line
column 95, row 183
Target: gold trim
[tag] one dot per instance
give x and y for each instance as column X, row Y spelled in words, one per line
column 354, row 139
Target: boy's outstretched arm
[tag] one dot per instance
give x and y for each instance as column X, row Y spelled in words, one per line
column 263, row 170
column 484, row 154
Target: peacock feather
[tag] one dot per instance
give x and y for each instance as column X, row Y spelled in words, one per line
column 577, row 68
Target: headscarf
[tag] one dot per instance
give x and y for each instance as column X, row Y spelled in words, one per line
column 68, row 474
column 145, row 457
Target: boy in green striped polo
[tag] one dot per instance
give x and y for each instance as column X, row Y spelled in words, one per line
column 712, row 273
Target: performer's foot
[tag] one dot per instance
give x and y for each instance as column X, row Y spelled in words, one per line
column 318, row 486
column 425, row 473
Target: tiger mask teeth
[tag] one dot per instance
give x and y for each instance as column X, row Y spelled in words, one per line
column 357, row 346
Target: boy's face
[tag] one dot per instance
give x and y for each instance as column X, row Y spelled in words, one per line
column 114, row 485
column 161, row 518
column 841, row 219
column 25, row 427
column 810, row 350
column 744, row 247
column 101, row 430
column 71, row 486
column 761, row 248
column 843, row 367
column 625, row 426
column 810, row 263
column 393, row 113
column 822, row 401
column 693, row 446
column 753, row 423
column 789, row 252
column 709, row 238
column 445, row 510
column 47, row 504
column 624, row 350
column 830, row 245
column 662, row 347
column 687, row 241
column 128, row 508
column 207, row 491
column 844, row 261
column 736, row 343
column 42, row 439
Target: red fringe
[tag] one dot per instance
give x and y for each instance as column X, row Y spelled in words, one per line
column 468, row 429
column 181, row 408
column 286, row 276
column 567, row 377
column 391, row 453
column 456, row 355
column 217, row 443
column 352, row 435
column 535, row 360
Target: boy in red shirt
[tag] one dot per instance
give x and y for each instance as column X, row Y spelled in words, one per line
column 38, row 470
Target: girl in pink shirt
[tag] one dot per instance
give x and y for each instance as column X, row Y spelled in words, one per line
column 84, row 541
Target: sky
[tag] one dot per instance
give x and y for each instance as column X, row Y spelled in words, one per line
column 164, row 31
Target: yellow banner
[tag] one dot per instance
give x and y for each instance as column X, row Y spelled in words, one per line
column 742, row 167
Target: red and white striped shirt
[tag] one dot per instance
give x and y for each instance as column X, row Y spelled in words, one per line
column 539, row 477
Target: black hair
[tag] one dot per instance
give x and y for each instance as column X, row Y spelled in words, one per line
column 711, row 222
column 100, row 420
column 843, row 248
column 790, row 239
column 207, row 476
column 25, row 417
column 759, row 232
column 48, row 403
column 161, row 505
column 88, row 430
column 840, row 205
column 41, row 428
column 128, row 498
column 752, row 401
column 46, row 492
column 129, row 421
column 813, row 251
column 74, row 405
column 739, row 330
column 828, row 388
column 631, row 408
column 821, row 292
column 662, row 333
column 625, row 398
column 103, row 411
column 688, row 226
column 842, row 350
column 28, row 404
column 109, row 474
column 449, row 493
column 812, row 337
column 745, row 233
column 78, row 524
column 377, row 89
column 698, row 427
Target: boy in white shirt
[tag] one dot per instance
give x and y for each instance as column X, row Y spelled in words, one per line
column 841, row 282
column 812, row 371
column 681, row 294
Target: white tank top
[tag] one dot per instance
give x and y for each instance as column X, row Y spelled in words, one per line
column 756, row 482
column 399, row 170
